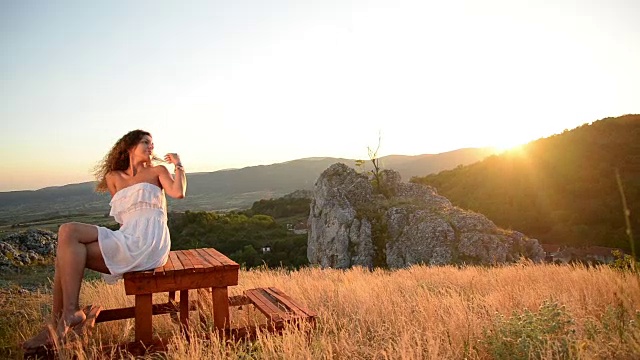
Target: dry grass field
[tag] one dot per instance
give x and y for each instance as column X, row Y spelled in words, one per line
column 523, row 311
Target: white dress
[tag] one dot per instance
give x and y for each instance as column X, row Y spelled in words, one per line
column 143, row 240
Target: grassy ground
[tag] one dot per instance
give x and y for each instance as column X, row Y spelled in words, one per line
column 28, row 278
column 32, row 278
column 524, row 311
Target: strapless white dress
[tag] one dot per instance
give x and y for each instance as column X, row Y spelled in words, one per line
column 143, row 240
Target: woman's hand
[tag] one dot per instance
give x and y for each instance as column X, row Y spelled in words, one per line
column 172, row 158
column 175, row 186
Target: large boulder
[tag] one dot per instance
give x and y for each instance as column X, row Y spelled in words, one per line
column 395, row 224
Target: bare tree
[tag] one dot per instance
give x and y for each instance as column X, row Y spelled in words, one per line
column 375, row 161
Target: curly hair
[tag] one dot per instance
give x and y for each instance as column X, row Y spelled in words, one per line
column 117, row 158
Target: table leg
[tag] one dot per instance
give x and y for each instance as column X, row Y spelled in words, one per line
column 143, row 312
column 184, row 312
column 220, row 299
column 172, row 300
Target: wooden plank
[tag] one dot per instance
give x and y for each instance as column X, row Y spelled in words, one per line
column 195, row 260
column 168, row 266
column 204, row 260
column 168, row 271
column 116, row 314
column 286, row 302
column 137, row 274
column 177, row 265
column 211, row 257
column 161, row 270
column 181, row 281
column 141, row 285
column 268, row 308
column 258, row 302
column 212, row 263
column 187, row 260
column 187, row 266
column 128, row 275
column 130, row 312
column 184, row 261
column 289, row 302
column 226, row 262
column 143, row 314
column 263, row 304
column 214, row 256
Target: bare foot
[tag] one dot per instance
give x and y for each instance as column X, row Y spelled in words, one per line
column 43, row 338
column 91, row 312
column 69, row 320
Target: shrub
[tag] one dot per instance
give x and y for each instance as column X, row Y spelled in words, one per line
column 531, row 335
column 622, row 261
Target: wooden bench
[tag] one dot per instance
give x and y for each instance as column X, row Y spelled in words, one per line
column 277, row 307
column 185, row 270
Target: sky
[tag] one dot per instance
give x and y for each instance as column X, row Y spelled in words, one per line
column 236, row 83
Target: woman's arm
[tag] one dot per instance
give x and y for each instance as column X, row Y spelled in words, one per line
column 175, row 187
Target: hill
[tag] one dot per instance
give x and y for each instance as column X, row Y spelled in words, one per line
column 219, row 190
column 561, row 189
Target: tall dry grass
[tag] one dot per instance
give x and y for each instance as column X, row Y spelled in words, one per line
column 525, row 310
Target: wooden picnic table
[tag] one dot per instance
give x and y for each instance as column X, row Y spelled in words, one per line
column 185, row 270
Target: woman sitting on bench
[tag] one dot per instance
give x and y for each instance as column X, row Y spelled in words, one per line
column 138, row 203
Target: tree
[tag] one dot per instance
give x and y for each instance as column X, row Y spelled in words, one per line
column 376, row 172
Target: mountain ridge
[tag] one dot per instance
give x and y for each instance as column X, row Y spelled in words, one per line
column 225, row 189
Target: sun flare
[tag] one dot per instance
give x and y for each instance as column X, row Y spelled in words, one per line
column 504, row 147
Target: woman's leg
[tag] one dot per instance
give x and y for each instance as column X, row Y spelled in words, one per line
column 78, row 249
column 95, row 261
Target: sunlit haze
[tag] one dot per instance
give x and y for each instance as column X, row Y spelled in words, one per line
column 229, row 84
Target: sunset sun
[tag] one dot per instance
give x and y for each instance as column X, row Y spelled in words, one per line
column 501, row 147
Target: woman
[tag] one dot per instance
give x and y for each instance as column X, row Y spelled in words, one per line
column 138, row 203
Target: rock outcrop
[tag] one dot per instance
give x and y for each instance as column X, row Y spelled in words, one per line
column 352, row 224
column 28, row 247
